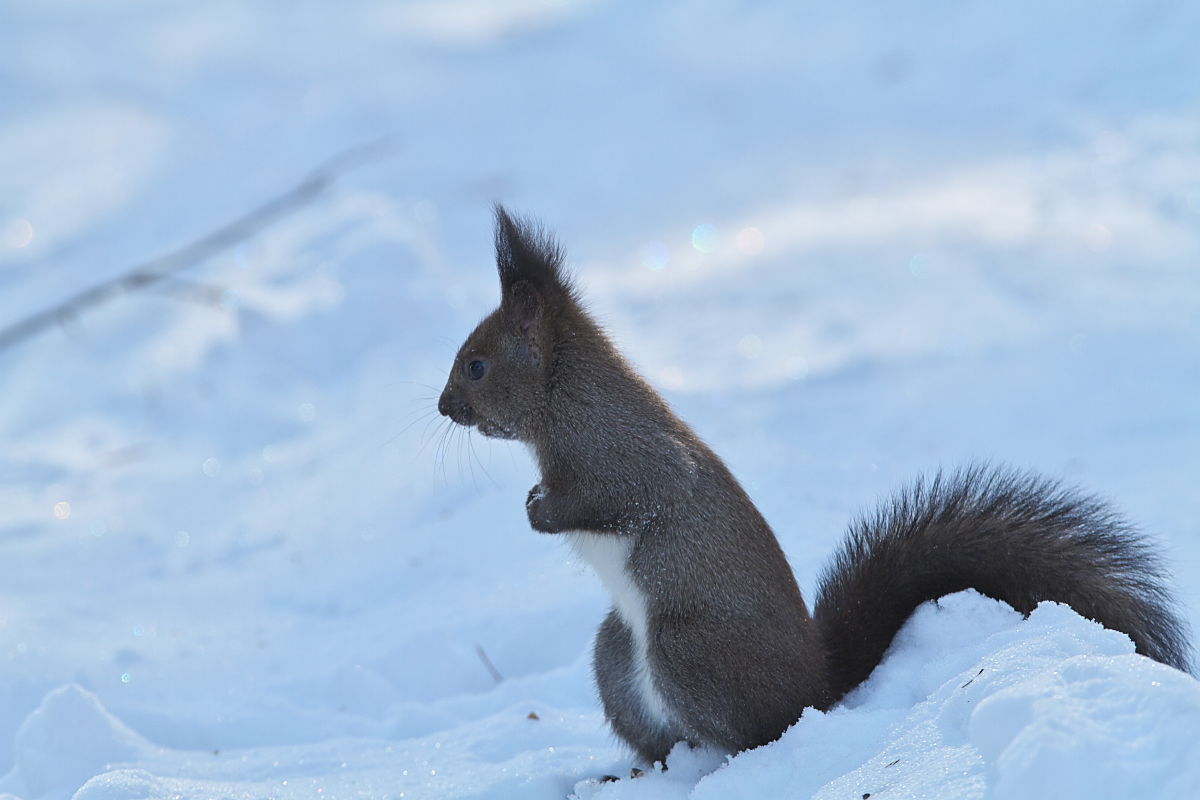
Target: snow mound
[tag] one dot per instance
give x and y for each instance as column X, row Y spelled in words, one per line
column 975, row 702
column 67, row 740
column 123, row 784
column 972, row 701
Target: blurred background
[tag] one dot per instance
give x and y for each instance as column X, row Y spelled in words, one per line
column 849, row 242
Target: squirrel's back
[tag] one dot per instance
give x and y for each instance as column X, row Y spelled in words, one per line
column 1009, row 535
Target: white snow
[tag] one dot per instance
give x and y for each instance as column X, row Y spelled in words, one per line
column 245, row 558
column 1052, row 706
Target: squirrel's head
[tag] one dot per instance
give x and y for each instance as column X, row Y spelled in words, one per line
column 498, row 382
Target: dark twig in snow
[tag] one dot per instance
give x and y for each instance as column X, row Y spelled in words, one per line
column 487, row 662
column 156, row 270
column 976, row 675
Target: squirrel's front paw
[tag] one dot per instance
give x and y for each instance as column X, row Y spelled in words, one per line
column 538, row 508
column 536, row 495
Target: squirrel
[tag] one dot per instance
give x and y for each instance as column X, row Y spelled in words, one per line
column 709, row 640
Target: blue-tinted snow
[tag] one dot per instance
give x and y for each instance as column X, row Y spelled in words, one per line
column 849, row 243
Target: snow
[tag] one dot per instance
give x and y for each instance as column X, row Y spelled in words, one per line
column 245, row 558
column 1054, row 706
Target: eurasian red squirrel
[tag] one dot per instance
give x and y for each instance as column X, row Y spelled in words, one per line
column 709, row 639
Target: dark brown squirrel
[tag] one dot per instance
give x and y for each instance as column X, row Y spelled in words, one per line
column 709, row 640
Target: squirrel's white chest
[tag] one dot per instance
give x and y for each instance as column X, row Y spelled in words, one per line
column 608, row 556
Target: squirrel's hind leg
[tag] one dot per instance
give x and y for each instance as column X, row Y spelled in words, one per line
column 623, row 684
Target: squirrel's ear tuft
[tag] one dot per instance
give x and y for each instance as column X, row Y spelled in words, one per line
column 526, row 252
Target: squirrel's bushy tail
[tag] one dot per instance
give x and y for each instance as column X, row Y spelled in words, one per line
column 1012, row 536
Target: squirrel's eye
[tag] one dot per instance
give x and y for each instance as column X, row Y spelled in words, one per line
column 476, row 370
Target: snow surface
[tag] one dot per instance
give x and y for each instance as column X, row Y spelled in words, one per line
column 244, row 557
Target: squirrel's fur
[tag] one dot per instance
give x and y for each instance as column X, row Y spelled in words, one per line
column 709, row 639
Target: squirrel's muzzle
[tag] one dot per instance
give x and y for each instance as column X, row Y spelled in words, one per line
column 454, row 408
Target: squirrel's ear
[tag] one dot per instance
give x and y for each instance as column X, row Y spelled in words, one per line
column 523, row 306
column 524, row 309
column 525, row 252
